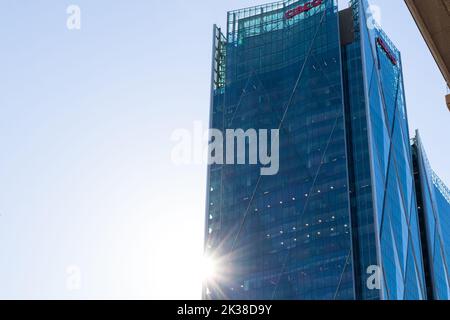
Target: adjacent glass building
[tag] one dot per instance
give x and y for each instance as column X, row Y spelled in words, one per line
column 434, row 213
column 340, row 219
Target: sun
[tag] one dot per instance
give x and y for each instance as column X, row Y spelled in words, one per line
column 208, row 268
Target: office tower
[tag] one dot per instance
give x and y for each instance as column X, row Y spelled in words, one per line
column 339, row 220
column 434, row 215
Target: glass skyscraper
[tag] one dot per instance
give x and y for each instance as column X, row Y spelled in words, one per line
column 340, row 219
column 434, row 212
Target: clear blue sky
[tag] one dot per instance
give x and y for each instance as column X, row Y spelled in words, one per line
column 85, row 124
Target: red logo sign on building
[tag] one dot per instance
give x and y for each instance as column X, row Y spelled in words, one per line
column 303, row 8
column 386, row 50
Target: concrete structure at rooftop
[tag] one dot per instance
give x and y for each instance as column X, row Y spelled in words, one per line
column 433, row 19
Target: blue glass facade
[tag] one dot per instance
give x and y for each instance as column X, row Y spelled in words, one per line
column 344, row 199
column 393, row 195
column 434, row 211
column 285, row 236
